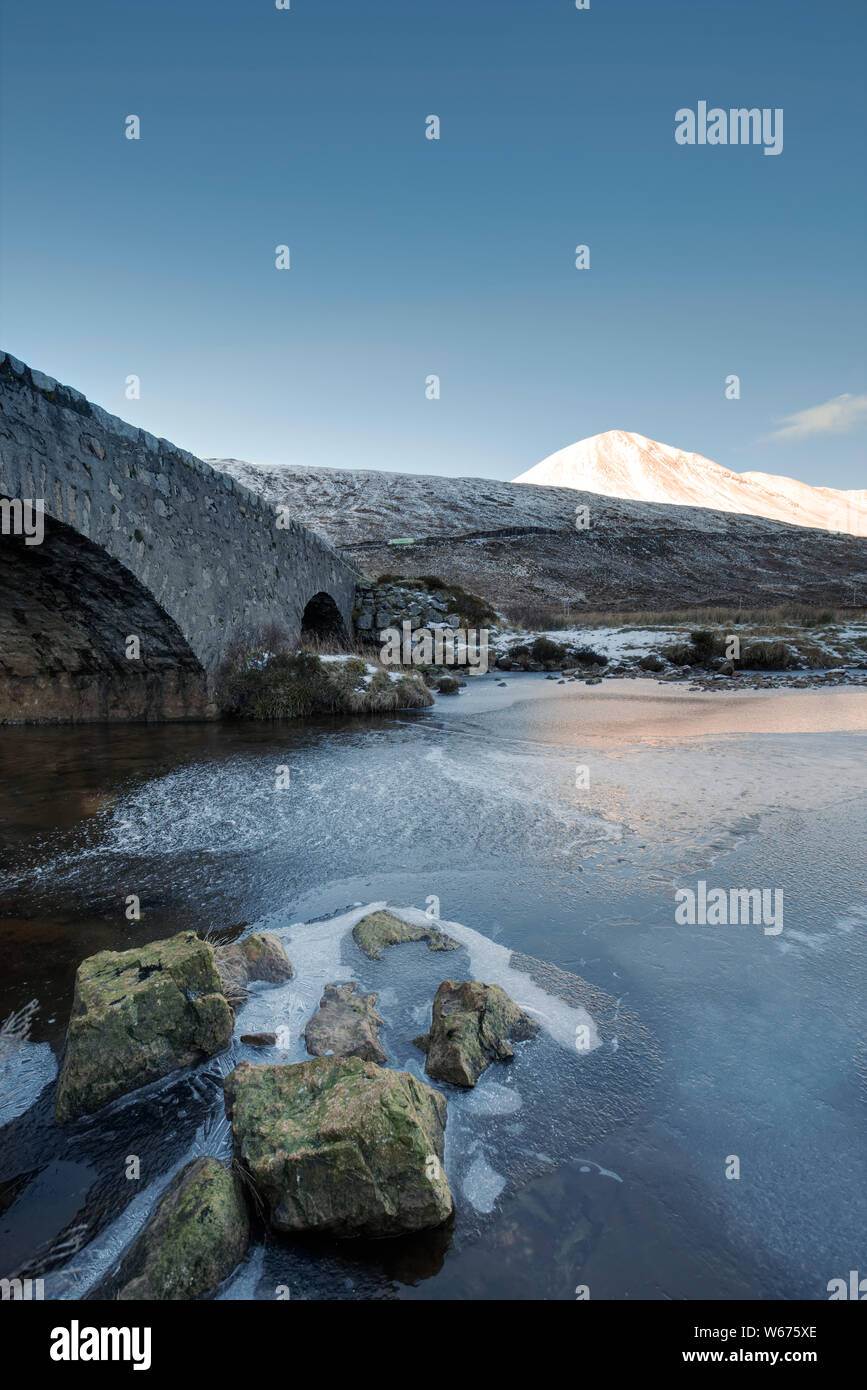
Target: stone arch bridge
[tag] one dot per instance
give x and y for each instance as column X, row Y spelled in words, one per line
column 139, row 540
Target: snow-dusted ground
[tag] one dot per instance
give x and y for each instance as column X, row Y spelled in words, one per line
column 613, row 642
column 337, row 658
column 843, row 645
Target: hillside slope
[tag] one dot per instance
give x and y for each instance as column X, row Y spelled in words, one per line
column 516, row 542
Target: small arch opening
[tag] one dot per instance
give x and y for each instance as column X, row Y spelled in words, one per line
column 321, row 620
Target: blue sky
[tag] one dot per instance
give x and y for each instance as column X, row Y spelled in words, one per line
column 410, row 257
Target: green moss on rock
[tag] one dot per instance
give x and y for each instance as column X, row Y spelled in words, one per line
column 198, row 1234
column 341, row 1146
column 470, row 1025
column 380, row 929
column 138, row 1015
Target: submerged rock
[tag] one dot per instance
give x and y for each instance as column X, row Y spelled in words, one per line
column 341, row 1146
column 380, row 929
column 197, row 1235
column 258, row 957
column 138, row 1015
column 259, row 1039
column 470, row 1025
column 347, row 1025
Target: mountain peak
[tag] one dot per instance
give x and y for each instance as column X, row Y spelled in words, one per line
column 622, row 463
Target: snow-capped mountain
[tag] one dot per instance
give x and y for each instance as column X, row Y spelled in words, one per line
column 620, row 464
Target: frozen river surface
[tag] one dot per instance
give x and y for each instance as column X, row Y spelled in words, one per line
column 551, row 824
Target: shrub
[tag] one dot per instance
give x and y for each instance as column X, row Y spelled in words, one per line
column 543, row 649
column 679, row 653
column 701, row 649
column 297, row 685
column 766, row 656
column 706, row 645
column 586, row 656
column 651, row 662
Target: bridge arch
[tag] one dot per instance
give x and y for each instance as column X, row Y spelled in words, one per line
column 322, row 619
column 81, row 639
column 217, row 563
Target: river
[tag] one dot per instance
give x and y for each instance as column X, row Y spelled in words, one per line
column 554, row 821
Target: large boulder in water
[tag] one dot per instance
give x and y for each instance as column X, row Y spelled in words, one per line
column 198, row 1234
column 260, row 956
column 347, row 1025
column 470, row 1026
column 341, row 1146
column 138, row 1015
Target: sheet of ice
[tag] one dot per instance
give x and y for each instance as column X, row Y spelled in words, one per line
column 491, row 963
column 26, row 1068
column 493, row 1099
column 241, row 1286
column 482, row 1184
column 314, row 948
column 315, row 952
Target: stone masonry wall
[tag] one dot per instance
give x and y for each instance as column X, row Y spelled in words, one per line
column 208, row 551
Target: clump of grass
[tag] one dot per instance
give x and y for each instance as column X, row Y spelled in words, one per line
column 702, row 649
column 257, row 683
column 586, row 656
column 553, row 655
column 706, row 645
column 543, row 649
column 383, row 695
column 766, row 656
column 679, row 653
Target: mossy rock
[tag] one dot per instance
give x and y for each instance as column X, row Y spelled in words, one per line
column 341, row 1146
column 198, row 1234
column 380, row 929
column 138, row 1015
column 470, row 1027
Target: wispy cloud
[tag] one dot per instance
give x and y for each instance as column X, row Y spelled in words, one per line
column 837, row 416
